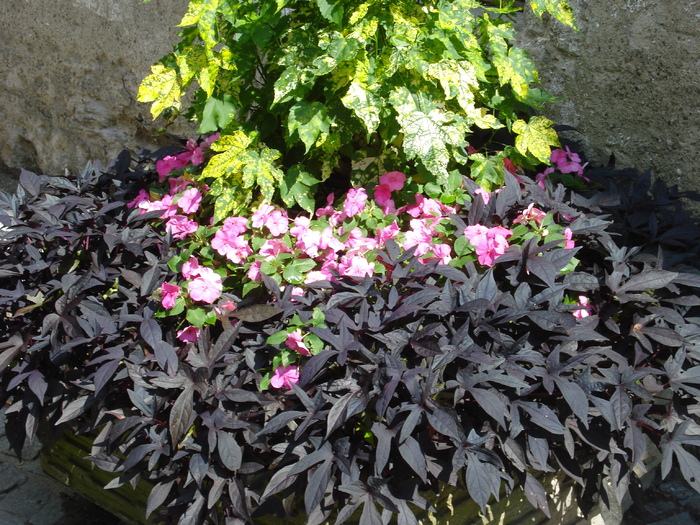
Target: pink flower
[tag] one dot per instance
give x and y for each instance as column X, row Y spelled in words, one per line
column 568, row 236
column 394, row 179
column 168, row 295
column 180, row 226
column 231, row 245
column 328, row 209
column 540, row 177
column 586, row 310
column 285, row 376
column 355, row 201
column 531, row 214
column 490, row 243
column 382, row 194
column 442, row 252
column 485, row 195
column 328, row 240
column 189, row 334
column 295, row 341
column 272, row 248
column 178, row 184
column 189, row 200
column 277, row 222
column 254, row 271
column 302, row 224
column 420, row 235
column 355, row 266
column 260, row 215
column 141, row 197
column 206, row 286
column 190, row 268
column 165, row 204
column 384, row 234
column 235, row 225
column 169, row 164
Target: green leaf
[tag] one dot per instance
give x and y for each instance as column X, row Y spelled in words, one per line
column 332, row 11
column 197, row 316
column 487, row 172
column 559, row 9
column 163, row 88
column 536, row 137
column 309, row 121
column 217, row 114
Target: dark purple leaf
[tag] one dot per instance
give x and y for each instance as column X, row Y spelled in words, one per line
column 180, row 414
column 535, row 494
column 229, row 451
column 74, row 409
column 256, row 313
column 37, row 384
column 316, row 487
column 278, row 482
column 413, row 455
column 648, row 280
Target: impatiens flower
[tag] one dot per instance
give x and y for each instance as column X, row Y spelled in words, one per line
column 168, row 295
column 355, row 266
column 490, row 243
column 394, row 179
column 540, row 177
column 231, row 245
column 302, row 224
column 382, row 194
column 272, row 248
column 442, row 252
column 260, row 215
column 389, row 232
column 169, row 164
column 235, row 225
column 531, row 214
column 190, row 268
column 568, row 236
column 189, row 334
column 277, row 222
column 189, row 200
column 141, row 197
column 285, row 376
column 180, row 226
column 206, row 286
column 254, row 271
column 355, row 201
column 295, row 341
column 485, row 195
column 586, row 310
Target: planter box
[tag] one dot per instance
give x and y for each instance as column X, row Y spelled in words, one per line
column 64, row 461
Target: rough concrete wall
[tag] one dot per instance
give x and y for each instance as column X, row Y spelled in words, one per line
column 69, row 73
column 630, row 82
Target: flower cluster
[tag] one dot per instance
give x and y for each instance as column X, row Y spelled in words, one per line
column 333, row 242
column 565, row 161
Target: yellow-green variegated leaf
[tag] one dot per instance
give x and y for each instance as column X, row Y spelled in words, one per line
column 458, row 79
column 428, row 131
column 516, row 69
column 259, row 167
column 309, row 121
column 366, row 105
column 230, row 198
column 228, row 162
column 163, row 88
column 535, row 137
column 559, row 9
column 202, row 13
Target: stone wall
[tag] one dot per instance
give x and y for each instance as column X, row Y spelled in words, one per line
column 629, row 82
column 70, row 70
column 69, row 74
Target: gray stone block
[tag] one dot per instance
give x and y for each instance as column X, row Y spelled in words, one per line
column 35, row 504
column 684, row 518
column 8, row 519
column 10, row 477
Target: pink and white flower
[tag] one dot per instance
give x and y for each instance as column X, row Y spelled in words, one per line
column 206, row 286
column 295, row 341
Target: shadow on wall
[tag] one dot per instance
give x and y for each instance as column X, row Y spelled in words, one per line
column 24, row 154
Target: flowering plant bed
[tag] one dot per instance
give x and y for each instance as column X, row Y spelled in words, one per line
column 473, row 375
column 376, row 275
